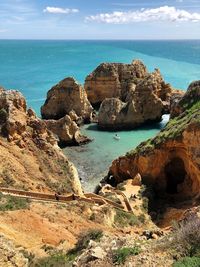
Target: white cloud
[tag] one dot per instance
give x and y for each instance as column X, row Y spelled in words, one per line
column 59, row 10
column 164, row 13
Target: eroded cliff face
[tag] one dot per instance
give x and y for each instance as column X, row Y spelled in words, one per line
column 67, row 131
column 129, row 94
column 145, row 101
column 29, row 154
column 170, row 161
column 113, row 80
column 64, row 97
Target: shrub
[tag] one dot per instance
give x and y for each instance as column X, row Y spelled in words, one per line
column 85, row 238
column 187, row 236
column 13, row 203
column 184, row 240
column 188, row 262
column 56, row 260
column 142, row 218
column 120, row 255
column 123, row 219
column 3, row 115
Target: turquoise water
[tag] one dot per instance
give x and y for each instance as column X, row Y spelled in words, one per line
column 93, row 160
column 34, row 67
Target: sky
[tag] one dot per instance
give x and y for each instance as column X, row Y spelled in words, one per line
column 99, row 19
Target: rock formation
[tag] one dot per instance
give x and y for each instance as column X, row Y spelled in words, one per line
column 67, row 131
column 10, row 255
column 145, row 101
column 129, row 95
column 65, row 97
column 29, row 155
column 112, row 80
column 170, row 161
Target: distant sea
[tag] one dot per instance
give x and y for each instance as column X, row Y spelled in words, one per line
column 33, row 67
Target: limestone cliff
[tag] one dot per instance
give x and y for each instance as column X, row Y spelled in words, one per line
column 170, row 161
column 129, row 95
column 64, row 97
column 113, row 80
column 29, row 155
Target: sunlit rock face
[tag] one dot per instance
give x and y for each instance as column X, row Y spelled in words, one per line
column 65, row 97
column 129, row 95
column 29, row 155
column 170, row 162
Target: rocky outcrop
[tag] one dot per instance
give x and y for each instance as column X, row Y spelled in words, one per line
column 113, row 80
column 145, row 101
column 29, row 154
column 170, row 162
column 10, row 255
column 182, row 102
column 67, row 131
column 65, row 97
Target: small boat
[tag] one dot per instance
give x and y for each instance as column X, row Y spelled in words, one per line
column 116, row 137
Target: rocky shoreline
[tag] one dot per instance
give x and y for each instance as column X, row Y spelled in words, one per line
column 145, row 190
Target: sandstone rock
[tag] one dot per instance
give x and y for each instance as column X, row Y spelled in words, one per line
column 13, row 106
column 10, row 256
column 147, row 101
column 29, row 154
column 98, row 253
column 66, row 130
column 137, row 180
column 170, row 161
column 113, row 80
column 65, row 97
column 184, row 101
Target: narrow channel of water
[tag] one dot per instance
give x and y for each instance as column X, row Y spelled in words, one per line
column 93, row 160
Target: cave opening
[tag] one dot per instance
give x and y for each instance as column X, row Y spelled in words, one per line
column 175, row 174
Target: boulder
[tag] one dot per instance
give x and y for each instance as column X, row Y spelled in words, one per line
column 67, row 131
column 65, row 98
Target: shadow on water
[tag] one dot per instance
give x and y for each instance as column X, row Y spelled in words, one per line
column 146, row 126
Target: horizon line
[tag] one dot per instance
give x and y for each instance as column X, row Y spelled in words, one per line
column 60, row 39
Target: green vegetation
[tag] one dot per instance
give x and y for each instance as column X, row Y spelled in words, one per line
column 56, row 260
column 121, row 186
column 13, row 203
column 65, row 259
column 142, row 218
column 184, row 243
column 120, row 255
column 3, row 115
column 123, row 219
column 188, row 262
column 85, row 238
column 173, row 130
column 7, row 178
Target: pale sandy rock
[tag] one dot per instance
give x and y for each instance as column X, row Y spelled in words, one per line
column 113, row 80
column 29, row 154
column 65, row 97
column 10, row 256
column 147, row 101
column 137, row 180
column 67, row 131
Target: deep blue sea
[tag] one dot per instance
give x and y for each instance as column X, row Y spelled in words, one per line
column 33, row 67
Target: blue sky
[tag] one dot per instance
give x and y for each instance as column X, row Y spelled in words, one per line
column 99, row 19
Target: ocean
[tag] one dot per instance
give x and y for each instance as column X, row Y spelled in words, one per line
column 33, row 67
